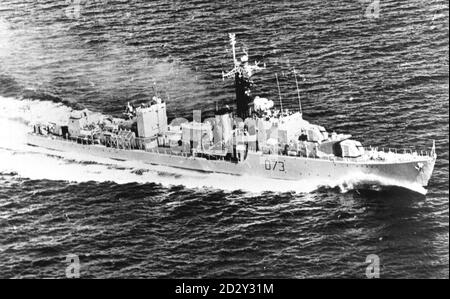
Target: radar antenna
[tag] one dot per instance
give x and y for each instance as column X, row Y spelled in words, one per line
column 242, row 68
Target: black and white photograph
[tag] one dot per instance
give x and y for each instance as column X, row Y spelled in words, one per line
column 207, row 142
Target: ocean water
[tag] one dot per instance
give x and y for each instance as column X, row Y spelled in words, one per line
column 381, row 75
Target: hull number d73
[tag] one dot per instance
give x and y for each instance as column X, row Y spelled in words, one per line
column 274, row 165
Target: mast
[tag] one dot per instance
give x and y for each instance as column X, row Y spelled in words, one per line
column 233, row 47
column 242, row 73
column 298, row 92
column 279, row 93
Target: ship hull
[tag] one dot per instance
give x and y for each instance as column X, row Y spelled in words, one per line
column 297, row 169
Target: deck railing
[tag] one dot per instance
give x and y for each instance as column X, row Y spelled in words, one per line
column 403, row 151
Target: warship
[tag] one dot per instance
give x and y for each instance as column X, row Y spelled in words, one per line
column 254, row 139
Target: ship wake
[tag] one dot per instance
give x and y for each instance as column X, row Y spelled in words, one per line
column 38, row 163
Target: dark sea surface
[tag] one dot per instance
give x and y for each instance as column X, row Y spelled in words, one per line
column 384, row 78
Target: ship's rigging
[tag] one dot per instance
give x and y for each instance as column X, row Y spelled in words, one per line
column 242, row 73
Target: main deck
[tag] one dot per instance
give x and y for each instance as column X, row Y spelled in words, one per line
column 415, row 170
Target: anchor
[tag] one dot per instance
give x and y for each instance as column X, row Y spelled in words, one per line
column 419, row 167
